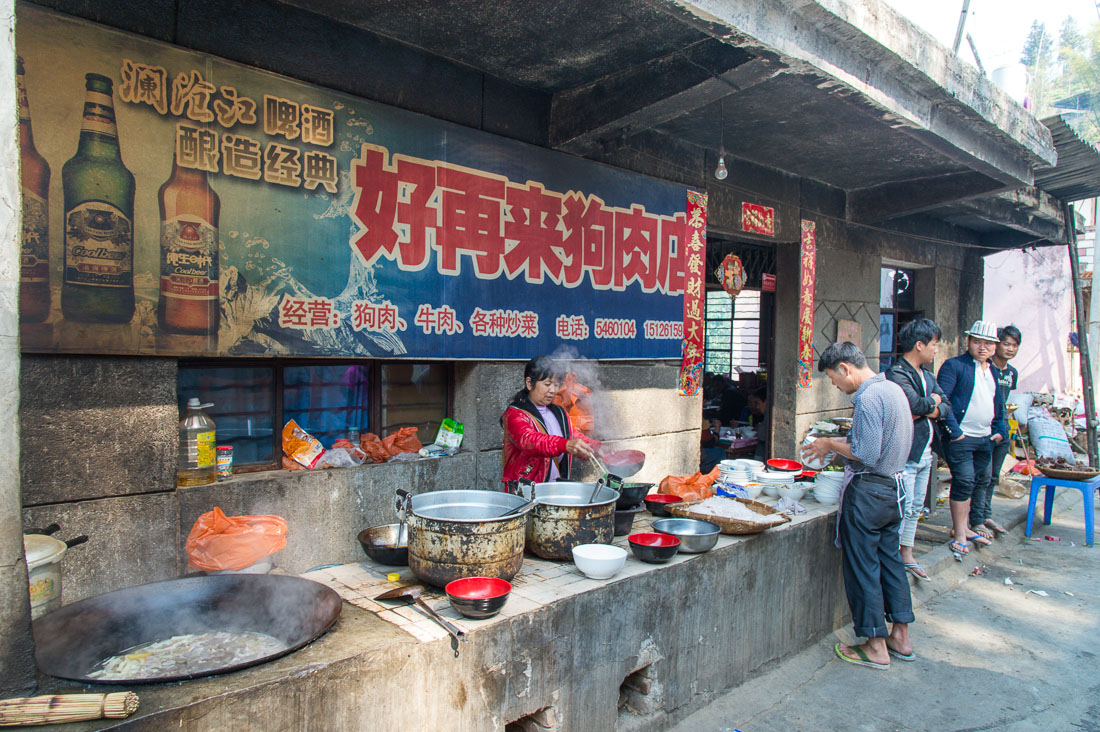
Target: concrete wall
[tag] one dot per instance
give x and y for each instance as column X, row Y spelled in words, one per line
column 16, row 667
column 684, row 632
column 99, row 458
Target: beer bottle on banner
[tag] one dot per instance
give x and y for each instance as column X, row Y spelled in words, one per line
column 189, row 211
column 34, row 267
column 98, row 281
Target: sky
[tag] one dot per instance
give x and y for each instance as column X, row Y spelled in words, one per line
column 999, row 27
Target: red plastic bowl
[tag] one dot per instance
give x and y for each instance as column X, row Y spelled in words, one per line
column 624, row 457
column 656, row 503
column 807, row 474
column 654, row 548
column 786, row 466
column 654, row 539
column 478, row 588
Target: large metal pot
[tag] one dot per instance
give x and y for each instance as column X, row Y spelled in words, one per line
column 456, row 534
column 564, row 517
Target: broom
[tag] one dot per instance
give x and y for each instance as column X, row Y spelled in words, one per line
column 56, row 708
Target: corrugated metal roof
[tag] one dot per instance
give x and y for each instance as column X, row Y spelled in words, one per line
column 1077, row 173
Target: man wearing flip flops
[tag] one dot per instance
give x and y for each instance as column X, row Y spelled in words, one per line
column 870, row 509
column 976, row 424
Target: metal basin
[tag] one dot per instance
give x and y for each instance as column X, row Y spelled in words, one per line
column 387, row 544
column 70, row 642
column 460, row 533
column 695, row 536
column 564, row 517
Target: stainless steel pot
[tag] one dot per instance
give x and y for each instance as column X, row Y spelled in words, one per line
column 462, row 533
column 564, row 517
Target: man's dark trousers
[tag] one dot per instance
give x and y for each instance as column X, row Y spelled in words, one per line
column 874, row 577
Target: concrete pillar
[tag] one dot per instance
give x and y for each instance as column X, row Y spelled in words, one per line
column 16, row 649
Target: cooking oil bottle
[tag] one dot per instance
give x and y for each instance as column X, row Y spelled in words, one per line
column 197, row 457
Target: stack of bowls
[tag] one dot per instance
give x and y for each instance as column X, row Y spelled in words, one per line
column 827, row 485
column 773, row 479
column 732, row 473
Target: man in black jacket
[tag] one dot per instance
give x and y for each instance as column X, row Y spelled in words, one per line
column 920, row 340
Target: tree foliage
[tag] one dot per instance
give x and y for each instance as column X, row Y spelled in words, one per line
column 1076, row 76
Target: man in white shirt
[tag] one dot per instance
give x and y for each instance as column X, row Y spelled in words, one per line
column 975, row 425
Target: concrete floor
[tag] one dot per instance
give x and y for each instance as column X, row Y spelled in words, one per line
column 991, row 656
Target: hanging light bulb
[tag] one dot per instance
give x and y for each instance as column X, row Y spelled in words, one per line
column 720, row 172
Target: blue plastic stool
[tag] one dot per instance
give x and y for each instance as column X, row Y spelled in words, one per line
column 1087, row 488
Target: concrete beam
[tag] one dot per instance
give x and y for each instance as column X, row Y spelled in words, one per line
column 653, row 92
column 16, row 662
column 905, row 197
column 916, row 85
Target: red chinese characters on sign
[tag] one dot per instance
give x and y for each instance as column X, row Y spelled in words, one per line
column 437, row 320
column 808, row 267
column 767, row 283
column 571, row 327
column 504, row 323
column 307, row 313
column 408, row 208
column 758, row 219
column 380, row 317
column 694, row 255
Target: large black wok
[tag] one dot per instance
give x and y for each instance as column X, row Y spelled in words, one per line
column 70, row 642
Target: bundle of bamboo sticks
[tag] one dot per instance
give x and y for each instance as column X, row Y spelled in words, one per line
column 57, row 708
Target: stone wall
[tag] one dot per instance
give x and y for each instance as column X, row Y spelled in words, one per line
column 99, row 458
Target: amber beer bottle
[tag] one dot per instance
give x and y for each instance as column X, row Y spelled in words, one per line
column 189, row 211
column 34, row 267
column 98, row 280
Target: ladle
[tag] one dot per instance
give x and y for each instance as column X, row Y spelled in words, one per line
column 412, row 592
column 609, row 479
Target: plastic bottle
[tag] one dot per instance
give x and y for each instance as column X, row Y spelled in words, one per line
column 198, row 465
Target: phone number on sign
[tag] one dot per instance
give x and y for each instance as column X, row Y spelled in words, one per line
column 615, row 328
column 664, row 329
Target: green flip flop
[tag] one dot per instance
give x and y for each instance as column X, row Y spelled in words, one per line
column 863, row 660
column 898, row 654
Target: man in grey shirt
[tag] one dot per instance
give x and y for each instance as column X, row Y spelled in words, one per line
column 870, row 509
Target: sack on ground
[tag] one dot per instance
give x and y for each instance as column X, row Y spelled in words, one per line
column 1049, row 438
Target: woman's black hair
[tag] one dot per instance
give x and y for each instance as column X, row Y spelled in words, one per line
column 537, row 369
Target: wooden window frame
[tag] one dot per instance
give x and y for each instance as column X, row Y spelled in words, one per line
column 278, row 365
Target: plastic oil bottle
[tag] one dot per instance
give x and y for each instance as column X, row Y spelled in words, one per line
column 198, row 465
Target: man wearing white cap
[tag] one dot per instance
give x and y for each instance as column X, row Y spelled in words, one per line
column 976, row 422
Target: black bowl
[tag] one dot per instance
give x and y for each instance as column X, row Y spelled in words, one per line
column 478, row 597
column 479, row 609
column 380, row 544
column 624, row 519
column 658, row 503
column 631, row 494
column 654, row 548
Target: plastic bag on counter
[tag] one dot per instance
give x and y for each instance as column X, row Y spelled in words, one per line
column 404, row 440
column 342, row 456
column 218, row 542
column 694, row 487
column 302, row 447
column 372, row 447
column 573, row 396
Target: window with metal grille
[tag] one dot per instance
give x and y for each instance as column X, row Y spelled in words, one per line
column 733, row 332
column 328, row 399
column 897, row 306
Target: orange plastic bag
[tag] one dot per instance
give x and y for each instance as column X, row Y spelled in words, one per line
column 372, row 446
column 404, row 440
column 220, row 542
column 573, row 396
column 694, row 487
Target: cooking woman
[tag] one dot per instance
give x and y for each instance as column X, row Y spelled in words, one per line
column 539, row 439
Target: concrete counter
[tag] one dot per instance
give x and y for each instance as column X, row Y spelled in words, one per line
column 636, row 652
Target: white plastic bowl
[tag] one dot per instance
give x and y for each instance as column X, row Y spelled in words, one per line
column 826, row 498
column 599, row 561
column 771, row 489
column 793, row 492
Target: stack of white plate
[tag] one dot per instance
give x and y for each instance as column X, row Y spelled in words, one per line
column 734, row 475
column 827, row 485
column 772, row 480
column 745, row 463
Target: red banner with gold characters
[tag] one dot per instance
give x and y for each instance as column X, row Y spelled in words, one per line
column 694, row 257
column 758, row 219
column 806, row 305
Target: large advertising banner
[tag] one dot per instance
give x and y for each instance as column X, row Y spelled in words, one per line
column 176, row 203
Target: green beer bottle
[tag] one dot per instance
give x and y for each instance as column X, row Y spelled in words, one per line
column 98, row 281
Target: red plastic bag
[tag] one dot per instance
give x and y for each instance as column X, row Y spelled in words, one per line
column 404, row 440
column 694, row 487
column 372, row 446
column 573, row 396
column 220, row 542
